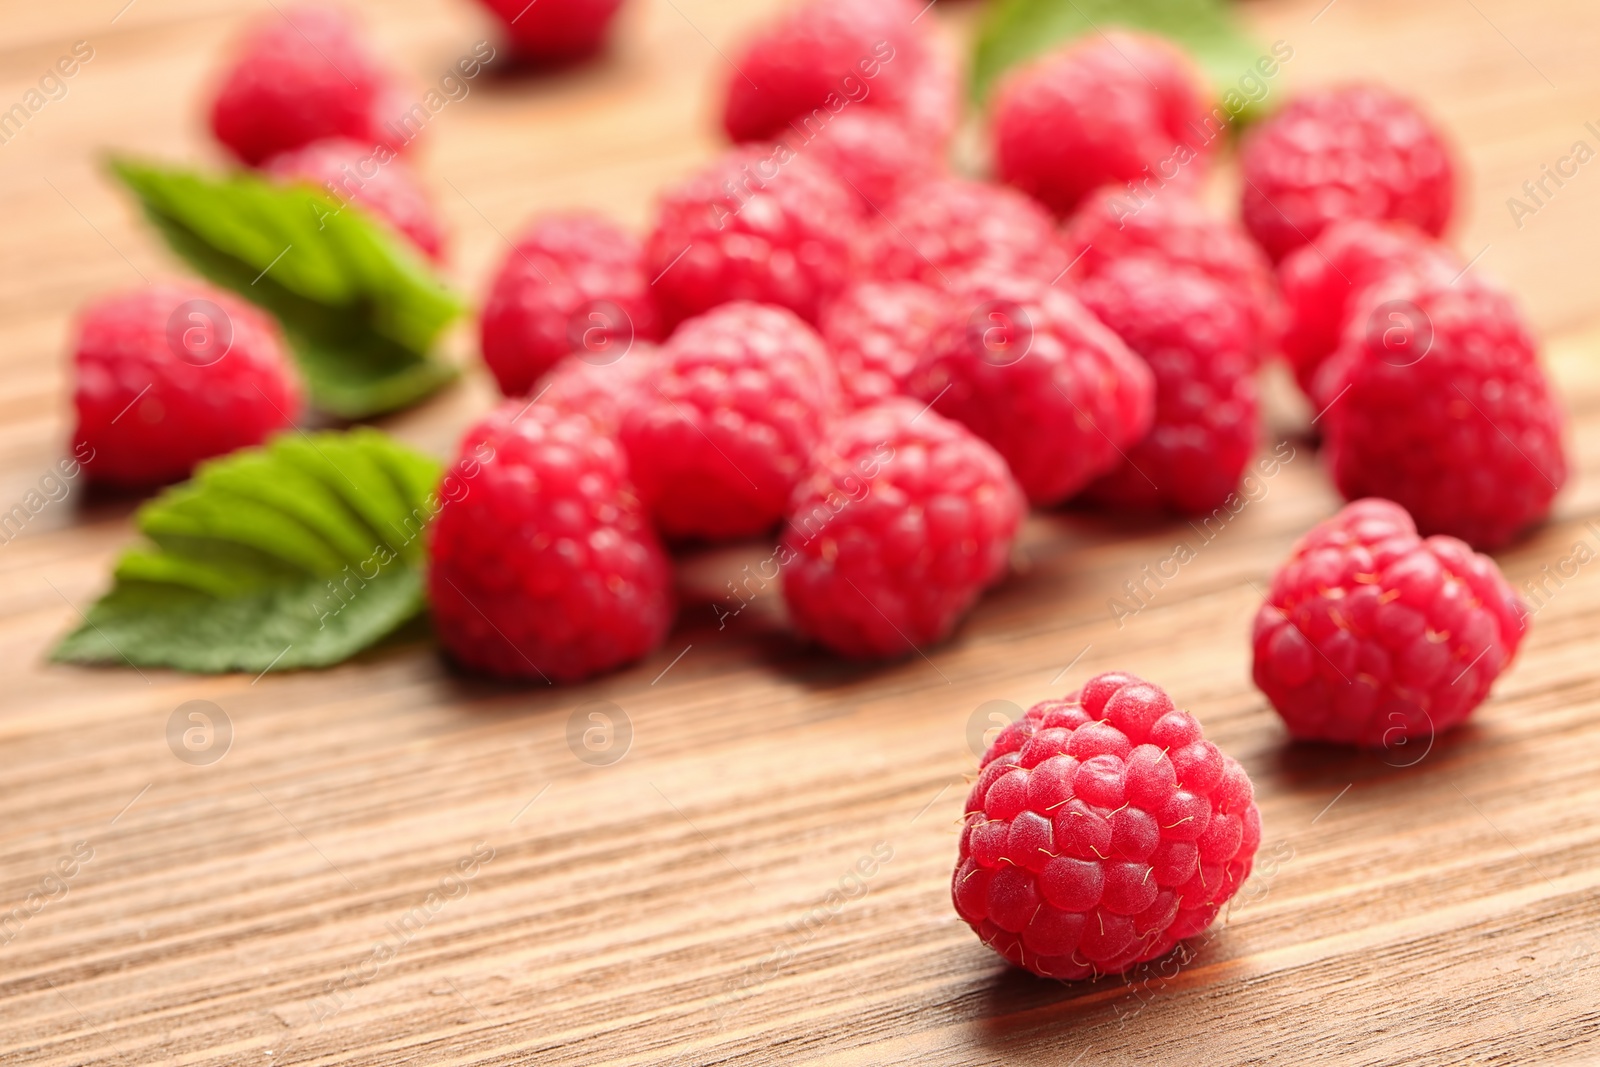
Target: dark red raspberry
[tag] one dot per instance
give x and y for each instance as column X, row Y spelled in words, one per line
column 723, row 425
column 876, row 332
column 1357, row 152
column 1030, row 370
column 554, row 31
column 1321, row 280
column 1374, row 636
column 545, row 565
column 352, row 174
column 303, row 74
column 763, row 224
column 903, row 519
column 572, row 283
column 1197, row 337
column 600, row 390
column 1103, row 829
column 170, row 375
column 1436, row 400
column 873, row 152
column 1117, row 108
column 1111, row 225
column 948, row 232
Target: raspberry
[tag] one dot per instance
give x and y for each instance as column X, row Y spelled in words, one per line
column 876, row 331
column 1373, row 636
column 554, row 31
column 1035, row 374
column 721, row 431
column 1112, row 108
column 1320, row 281
column 948, row 231
column 1358, row 152
column 170, row 375
column 1196, row 335
column 1436, row 400
column 874, row 153
column 350, row 173
column 903, row 519
column 572, row 283
column 601, row 391
column 303, row 74
column 1102, row 830
column 761, row 224
column 545, row 566
column 1111, row 225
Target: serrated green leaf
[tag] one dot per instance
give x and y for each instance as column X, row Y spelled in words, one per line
column 360, row 310
column 300, row 553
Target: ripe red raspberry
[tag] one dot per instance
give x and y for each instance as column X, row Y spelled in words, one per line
column 1103, row 829
column 1321, row 280
column 1118, row 108
column 170, row 375
column 303, row 74
column 545, row 566
column 553, row 31
column 722, row 428
column 948, row 232
column 352, row 174
column 762, row 223
column 1197, row 336
column 601, row 391
column 572, row 283
column 873, row 152
column 1357, row 152
column 1436, row 400
column 1111, row 225
column 1374, row 636
column 1030, row 370
column 876, row 332
column 903, row 519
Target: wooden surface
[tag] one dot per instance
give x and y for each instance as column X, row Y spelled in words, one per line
column 674, row 907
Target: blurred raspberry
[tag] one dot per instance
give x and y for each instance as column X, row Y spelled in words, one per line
column 554, row 30
column 948, row 232
column 352, row 174
column 601, row 391
column 874, row 153
column 876, row 331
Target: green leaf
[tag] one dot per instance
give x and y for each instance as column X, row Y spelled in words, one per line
column 300, row 553
column 1017, row 30
column 360, row 309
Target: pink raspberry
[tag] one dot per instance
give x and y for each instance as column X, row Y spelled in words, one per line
column 902, row 521
column 353, row 174
column 948, row 232
column 1030, row 370
column 546, row 566
column 173, row 374
column 303, row 74
column 876, row 332
column 1374, row 636
column 873, row 152
column 554, row 31
column 763, row 224
column 572, row 283
column 1321, row 280
column 1115, row 108
column 1357, row 152
column 1196, row 335
column 1436, row 400
column 1103, row 829
column 601, row 391
column 721, row 429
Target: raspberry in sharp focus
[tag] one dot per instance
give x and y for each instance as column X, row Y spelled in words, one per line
column 762, row 223
column 352, row 173
column 554, row 30
column 1196, row 336
column 1102, row 830
column 873, row 152
column 601, row 391
column 876, row 331
column 722, row 428
column 573, row 283
column 1116, row 108
column 1358, row 152
column 1030, row 370
column 170, row 375
column 1436, row 400
column 546, row 565
column 303, row 74
column 1374, row 636
column 901, row 522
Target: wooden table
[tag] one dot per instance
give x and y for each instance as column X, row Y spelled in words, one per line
column 683, row 905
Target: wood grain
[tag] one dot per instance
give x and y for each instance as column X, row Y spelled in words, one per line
column 674, row 907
